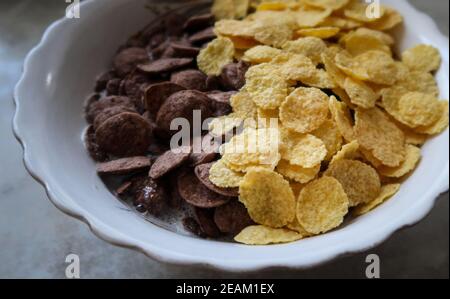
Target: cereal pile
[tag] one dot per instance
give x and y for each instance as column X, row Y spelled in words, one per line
column 314, row 116
column 350, row 117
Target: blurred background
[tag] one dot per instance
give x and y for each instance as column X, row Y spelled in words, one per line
column 35, row 237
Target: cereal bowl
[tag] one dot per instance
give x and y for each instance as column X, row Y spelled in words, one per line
column 49, row 123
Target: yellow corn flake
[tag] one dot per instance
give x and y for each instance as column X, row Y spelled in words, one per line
column 412, row 158
column 419, row 81
column 221, row 126
column 333, row 71
column 243, row 43
column 359, row 180
column 243, row 105
column 272, row 5
column 297, row 227
column 347, row 64
column 274, row 18
column 320, row 32
column 303, row 150
column 382, row 36
column 264, row 235
column 418, row 109
column 296, row 188
column 294, row 67
column 330, row 135
column 387, row 191
column 389, row 20
column 327, row 4
column 360, row 12
column 369, row 158
column 266, row 86
column 380, row 67
column 297, row 173
column 360, row 94
column 241, row 8
column 376, row 133
column 422, row 58
column 230, row 28
column 343, row 97
column 322, row 205
column 304, row 110
column 260, row 54
column 268, row 118
column 412, row 109
column 230, row 9
column 349, row 151
column 341, row 115
column 357, row 44
column 310, row 16
column 275, row 36
column 223, row 9
column 222, row 176
column 268, row 198
column 253, row 147
column 440, row 125
column 344, row 24
column 311, row 47
column 215, row 56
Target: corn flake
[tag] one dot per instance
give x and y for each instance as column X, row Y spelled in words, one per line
column 360, row 94
column 297, row 173
column 342, row 117
column 422, row 58
column 376, row 133
column 303, row 150
column 304, row 110
column 322, row 205
column 215, row 56
column 266, row 86
column 319, row 32
column 387, row 191
column 260, row 54
column 349, row 151
column 359, row 180
column 411, row 160
column 330, row 135
column 222, row 176
column 264, row 235
column 268, row 198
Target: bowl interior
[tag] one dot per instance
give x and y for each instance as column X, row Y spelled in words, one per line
column 77, row 50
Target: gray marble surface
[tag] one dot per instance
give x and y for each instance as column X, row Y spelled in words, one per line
column 35, row 237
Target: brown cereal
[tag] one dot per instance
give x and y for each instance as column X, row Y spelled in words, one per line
column 205, row 218
column 124, row 165
column 181, row 105
column 168, row 161
column 190, row 79
column 232, row 76
column 196, row 194
column 127, row 60
column 164, row 65
column 125, row 134
column 232, row 217
column 156, row 94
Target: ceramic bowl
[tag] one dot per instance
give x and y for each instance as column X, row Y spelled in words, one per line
column 58, row 75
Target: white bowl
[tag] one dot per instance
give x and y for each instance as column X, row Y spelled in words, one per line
column 59, row 74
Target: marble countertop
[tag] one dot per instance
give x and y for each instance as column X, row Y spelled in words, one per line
column 35, row 237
